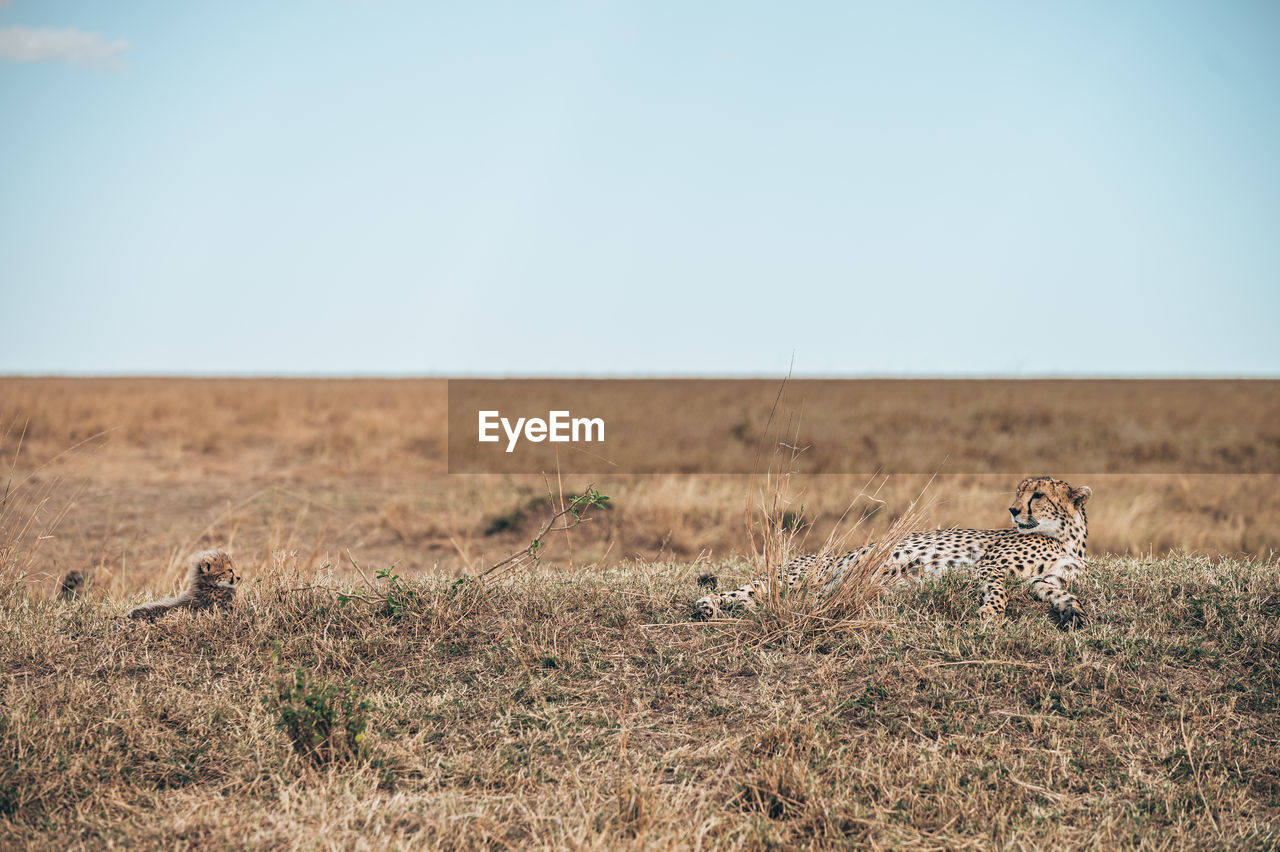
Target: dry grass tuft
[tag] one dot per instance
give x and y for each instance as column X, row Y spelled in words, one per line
column 777, row 528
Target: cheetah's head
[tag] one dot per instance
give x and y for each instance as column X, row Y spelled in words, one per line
column 216, row 568
column 1046, row 506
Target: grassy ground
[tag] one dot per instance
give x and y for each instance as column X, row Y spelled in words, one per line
column 577, row 706
column 581, row 709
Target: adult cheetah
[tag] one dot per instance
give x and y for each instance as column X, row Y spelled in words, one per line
column 1046, row 548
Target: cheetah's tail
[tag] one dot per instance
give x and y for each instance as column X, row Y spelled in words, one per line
column 154, row 609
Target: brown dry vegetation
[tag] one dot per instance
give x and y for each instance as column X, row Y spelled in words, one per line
column 577, row 706
column 169, row 465
column 582, row 710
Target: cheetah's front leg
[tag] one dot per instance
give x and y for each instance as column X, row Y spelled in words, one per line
column 994, row 597
column 1050, row 587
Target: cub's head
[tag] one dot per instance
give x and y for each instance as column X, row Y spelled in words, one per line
column 215, row 568
column 73, row 583
column 1046, row 506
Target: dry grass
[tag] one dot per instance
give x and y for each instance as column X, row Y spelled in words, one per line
column 576, row 705
column 581, row 710
column 165, row 466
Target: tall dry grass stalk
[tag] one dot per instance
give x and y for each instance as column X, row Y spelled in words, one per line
column 822, row 603
column 29, row 515
column 777, row 532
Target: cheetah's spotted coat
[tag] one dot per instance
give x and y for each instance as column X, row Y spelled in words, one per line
column 1046, row 548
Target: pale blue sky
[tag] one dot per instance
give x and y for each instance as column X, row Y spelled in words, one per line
column 640, row 188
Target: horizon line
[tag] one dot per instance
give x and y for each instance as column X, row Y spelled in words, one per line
column 412, row 376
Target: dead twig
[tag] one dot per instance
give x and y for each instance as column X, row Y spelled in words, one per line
column 985, row 663
column 530, row 553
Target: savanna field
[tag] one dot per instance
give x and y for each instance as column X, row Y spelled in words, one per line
column 368, row 690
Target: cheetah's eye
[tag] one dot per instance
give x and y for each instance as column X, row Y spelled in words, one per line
column 1036, row 496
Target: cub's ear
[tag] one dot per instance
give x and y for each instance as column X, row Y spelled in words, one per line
column 1081, row 494
column 203, row 566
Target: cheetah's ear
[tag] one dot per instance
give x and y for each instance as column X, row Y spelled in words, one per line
column 1080, row 495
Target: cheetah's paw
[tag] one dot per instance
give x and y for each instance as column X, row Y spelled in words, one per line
column 1068, row 616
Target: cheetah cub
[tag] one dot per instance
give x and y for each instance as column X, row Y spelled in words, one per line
column 211, row 582
column 72, row 585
